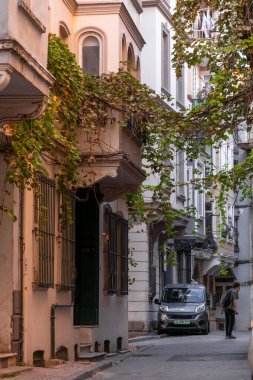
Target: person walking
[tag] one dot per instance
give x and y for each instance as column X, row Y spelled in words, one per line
column 231, row 311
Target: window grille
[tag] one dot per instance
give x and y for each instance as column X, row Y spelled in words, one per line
column 116, row 251
column 45, row 232
column 123, row 255
column 67, row 240
column 112, row 254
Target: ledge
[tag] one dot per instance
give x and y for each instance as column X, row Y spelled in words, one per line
column 8, row 44
column 115, row 173
column 35, row 21
column 163, row 7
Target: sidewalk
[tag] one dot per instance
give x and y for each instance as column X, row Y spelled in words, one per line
column 73, row 370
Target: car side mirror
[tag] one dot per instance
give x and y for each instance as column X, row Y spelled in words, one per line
column 157, row 301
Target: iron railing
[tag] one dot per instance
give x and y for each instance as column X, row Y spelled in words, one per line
column 45, row 232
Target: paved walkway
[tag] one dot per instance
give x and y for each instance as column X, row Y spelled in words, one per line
column 78, row 370
column 66, row 371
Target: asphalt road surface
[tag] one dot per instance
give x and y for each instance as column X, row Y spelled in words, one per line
column 185, row 357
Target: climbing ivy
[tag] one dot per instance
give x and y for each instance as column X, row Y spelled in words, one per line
column 80, row 105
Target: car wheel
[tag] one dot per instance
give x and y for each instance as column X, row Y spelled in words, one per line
column 206, row 331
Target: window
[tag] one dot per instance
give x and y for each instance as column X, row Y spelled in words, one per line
column 180, row 89
column 189, row 188
column 123, row 255
column 124, row 49
column 138, row 69
column 165, row 60
column 200, row 192
column 116, row 253
column 204, row 24
column 180, row 173
column 131, row 60
column 91, row 55
column 64, row 33
column 44, row 218
column 67, row 239
column 152, row 269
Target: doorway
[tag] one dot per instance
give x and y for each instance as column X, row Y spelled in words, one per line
column 87, row 258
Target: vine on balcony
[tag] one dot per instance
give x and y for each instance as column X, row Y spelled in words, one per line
column 78, row 103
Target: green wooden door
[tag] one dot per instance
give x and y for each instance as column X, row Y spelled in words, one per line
column 87, row 259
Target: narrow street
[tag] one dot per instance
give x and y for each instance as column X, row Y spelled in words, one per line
column 190, row 357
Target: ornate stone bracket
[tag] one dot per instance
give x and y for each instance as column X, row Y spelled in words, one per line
column 4, row 79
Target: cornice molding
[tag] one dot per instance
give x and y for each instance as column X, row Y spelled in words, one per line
column 137, row 5
column 132, row 28
column 71, row 5
column 97, row 8
column 12, row 45
column 161, row 5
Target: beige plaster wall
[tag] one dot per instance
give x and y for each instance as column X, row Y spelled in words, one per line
column 23, row 30
column 109, row 27
column 38, row 302
column 59, row 13
column 6, row 269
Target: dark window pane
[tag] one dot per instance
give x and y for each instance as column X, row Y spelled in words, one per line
column 91, row 55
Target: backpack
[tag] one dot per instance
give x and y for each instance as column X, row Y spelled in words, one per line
column 226, row 299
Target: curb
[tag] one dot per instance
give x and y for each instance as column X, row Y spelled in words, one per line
column 88, row 373
column 146, row 337
column 95, row 368
column 13, row 371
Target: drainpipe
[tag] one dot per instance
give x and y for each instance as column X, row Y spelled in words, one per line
column 21, row 272
column 52, row 325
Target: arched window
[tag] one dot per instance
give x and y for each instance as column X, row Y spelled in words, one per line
column 131, row 60
column 138, row 69
column 91, row 55
column 124, row 49
column 64, row 32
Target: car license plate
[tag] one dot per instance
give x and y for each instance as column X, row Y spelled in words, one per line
column 182, row 323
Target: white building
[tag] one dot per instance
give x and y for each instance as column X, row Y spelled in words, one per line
column 195, row 239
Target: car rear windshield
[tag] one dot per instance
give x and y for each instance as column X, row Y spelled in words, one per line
column 178, row 295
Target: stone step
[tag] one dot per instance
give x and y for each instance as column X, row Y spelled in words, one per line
column 8, row 359
column 91, row 356
column 13, row 371
column 84, row 347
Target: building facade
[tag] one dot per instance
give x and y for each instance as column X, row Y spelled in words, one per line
column 199, row 249
column 66, row 288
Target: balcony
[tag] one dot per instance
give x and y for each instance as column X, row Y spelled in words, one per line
column 24, row 80
column 112, row 158
column 245, row 139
